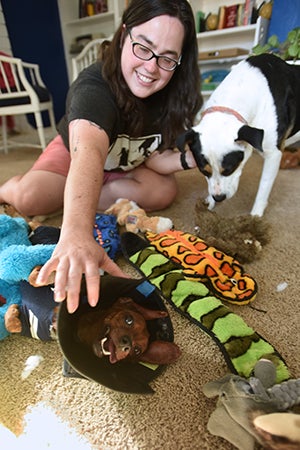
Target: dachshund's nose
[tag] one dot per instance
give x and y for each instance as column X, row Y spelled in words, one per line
column 125, row 343
column 219, row 198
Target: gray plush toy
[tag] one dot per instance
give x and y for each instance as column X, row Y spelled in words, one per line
column 245, row 410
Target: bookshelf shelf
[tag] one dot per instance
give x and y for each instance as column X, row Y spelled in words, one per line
column 97, row 18
column 232, row 31
column 98, row 25
column 221, row 61
column 246, row 37
column 243, row 37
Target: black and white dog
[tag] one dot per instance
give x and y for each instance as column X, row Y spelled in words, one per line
column 256, row 106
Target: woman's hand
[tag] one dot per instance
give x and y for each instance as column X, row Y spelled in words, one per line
column 169, row 161
column 73, row 257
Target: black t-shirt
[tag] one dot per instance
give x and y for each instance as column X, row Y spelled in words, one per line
column 91, row 98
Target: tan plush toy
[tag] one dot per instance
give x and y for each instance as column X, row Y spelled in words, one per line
column 135, row 219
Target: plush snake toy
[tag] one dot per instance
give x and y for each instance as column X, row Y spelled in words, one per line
column 194, row 279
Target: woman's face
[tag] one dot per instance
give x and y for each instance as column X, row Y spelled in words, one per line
column 164, row 36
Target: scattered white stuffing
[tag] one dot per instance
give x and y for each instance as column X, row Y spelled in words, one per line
column 31, row 363
column 281, row 286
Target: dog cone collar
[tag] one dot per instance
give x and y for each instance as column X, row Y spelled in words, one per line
column 122, row 376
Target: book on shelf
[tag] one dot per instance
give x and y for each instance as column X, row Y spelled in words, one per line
column 228, row 16
column 221, row 16
column 248, row 10
column 238, row 14
column 89, row 8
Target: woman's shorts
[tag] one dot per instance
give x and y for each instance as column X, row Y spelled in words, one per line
column 56, row 158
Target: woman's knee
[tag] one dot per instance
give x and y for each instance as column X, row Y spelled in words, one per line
column 162, row 191
column 26, row 201
column 34, row 198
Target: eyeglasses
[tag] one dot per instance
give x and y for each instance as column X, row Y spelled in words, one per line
column 145, row 53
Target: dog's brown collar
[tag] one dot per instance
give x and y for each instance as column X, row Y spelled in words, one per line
column 225, row 110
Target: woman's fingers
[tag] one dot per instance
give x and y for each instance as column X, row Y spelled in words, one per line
column 69, row 275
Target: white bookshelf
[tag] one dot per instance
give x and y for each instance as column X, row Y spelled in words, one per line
column 99, row 25
column 105, row 24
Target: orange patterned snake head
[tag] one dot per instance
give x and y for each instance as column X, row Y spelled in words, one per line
column 222, row 274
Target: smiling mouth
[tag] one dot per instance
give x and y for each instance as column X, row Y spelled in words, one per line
column 144, row 79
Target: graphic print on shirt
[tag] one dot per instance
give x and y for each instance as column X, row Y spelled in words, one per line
column 126, row 152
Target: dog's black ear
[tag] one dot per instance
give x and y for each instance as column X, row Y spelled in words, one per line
column 254, row 136
column 191, row 138
column 188, row 137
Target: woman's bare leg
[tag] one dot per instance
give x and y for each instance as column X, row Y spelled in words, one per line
column 150, row 190
column 35, row 193
column 40, row 192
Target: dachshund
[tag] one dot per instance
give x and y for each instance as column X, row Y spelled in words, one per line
column 118, row 331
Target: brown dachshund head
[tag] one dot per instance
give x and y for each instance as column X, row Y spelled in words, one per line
column 121, row 332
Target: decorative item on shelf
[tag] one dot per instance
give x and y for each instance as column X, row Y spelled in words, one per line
column 200, row 21
column 211, row 22
column 287, row 50
column 265, row 10
column 79, row 43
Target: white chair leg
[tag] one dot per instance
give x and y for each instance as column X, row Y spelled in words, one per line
column 40, row 129
column 4, row 134
column 52, row 120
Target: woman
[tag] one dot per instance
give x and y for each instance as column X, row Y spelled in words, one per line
column 116, row 140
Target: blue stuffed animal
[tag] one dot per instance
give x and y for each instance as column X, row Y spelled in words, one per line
column 21, row 250
column 17, row 259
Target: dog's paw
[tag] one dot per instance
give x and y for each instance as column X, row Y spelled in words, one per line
column 11, row 319
column 258, row 211
column 209, row 201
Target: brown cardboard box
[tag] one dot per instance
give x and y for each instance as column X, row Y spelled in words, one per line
column 225, row 53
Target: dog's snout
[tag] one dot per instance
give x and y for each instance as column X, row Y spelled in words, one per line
column 126, row 343
column 219, row 198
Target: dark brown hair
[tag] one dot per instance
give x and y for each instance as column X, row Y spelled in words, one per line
column 182, row 97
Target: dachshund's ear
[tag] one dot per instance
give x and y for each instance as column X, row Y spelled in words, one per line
column 148, row 314
column 254, row 136
column 161, row 352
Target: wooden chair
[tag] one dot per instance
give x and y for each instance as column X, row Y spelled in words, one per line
column 22, row 91
column 87, row 56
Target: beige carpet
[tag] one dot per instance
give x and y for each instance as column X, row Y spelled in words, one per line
column 175, row 417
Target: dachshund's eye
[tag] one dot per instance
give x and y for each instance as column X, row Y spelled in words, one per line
column 129, row 320
column 137, row 351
